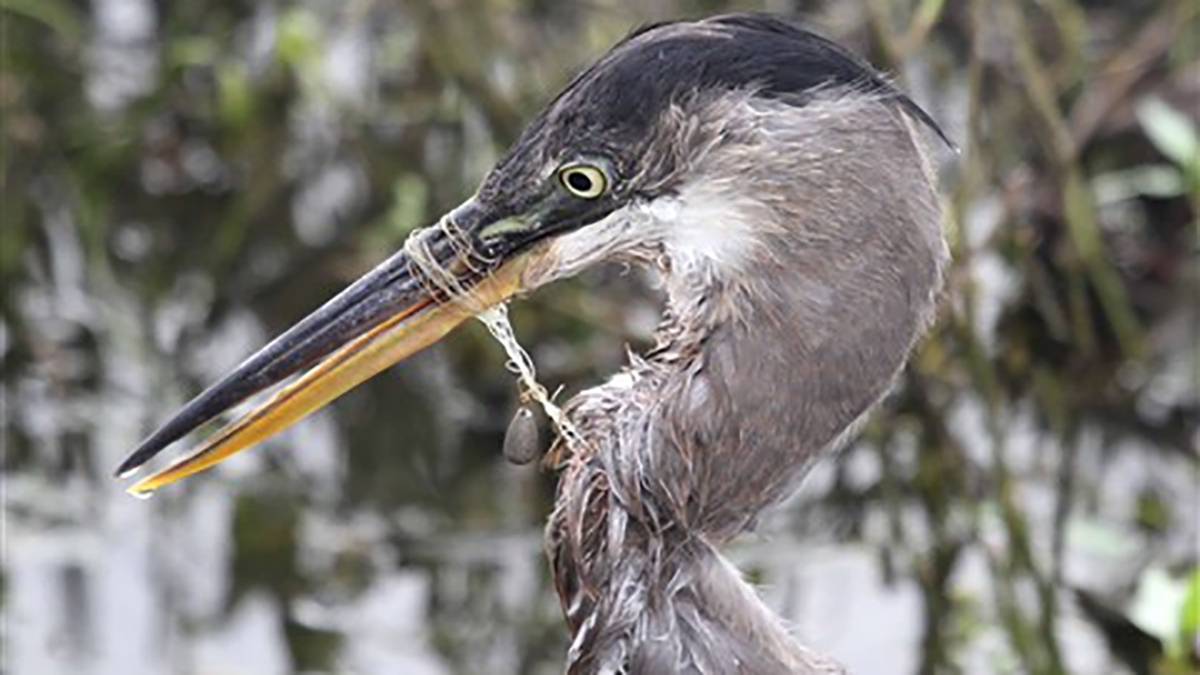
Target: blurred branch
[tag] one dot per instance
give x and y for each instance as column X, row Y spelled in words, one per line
column 57, row 15
column 1121, row 73
column 1082, row 226
column 927, row 14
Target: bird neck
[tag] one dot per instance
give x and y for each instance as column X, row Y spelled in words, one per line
column 762, row 368
column 793, row 305
column 694, row 615
column 789, row 313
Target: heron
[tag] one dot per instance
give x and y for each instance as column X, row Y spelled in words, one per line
column 780, row 188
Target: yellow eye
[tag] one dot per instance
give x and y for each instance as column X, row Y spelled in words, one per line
column 583, row 181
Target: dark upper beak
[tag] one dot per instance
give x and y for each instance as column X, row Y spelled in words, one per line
column 390, row 313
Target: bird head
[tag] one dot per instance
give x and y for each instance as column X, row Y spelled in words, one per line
column 602, row 173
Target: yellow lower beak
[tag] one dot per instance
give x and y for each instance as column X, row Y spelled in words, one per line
column 393, row 340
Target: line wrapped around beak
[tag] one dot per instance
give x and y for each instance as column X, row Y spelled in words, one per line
column 408, row 302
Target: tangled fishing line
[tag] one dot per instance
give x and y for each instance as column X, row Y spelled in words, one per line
column 494, row 318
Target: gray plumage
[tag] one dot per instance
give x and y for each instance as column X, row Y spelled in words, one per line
column 770, row 352
column 798, row 241
column 778, row 187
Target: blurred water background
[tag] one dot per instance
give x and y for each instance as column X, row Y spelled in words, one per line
column 184, row 179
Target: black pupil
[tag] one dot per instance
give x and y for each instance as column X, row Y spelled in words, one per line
column 579, row 181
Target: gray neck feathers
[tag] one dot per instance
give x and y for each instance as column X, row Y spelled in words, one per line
column 786, row 322
column 795, row 315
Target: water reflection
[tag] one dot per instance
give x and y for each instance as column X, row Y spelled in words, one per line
column 214, row 172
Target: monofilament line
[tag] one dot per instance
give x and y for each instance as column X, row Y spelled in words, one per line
column 432, row 274
column 495, row 318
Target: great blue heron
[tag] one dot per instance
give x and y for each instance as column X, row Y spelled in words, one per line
column 780, row 188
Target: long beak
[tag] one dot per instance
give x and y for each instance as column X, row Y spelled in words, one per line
column 386, row 316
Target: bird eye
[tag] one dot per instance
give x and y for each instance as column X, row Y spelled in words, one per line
column 583, row 181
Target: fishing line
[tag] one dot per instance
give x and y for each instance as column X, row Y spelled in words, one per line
column 435, row 277
column 495, row 318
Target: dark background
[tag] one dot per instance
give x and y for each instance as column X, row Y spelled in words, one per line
column 184, row 179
